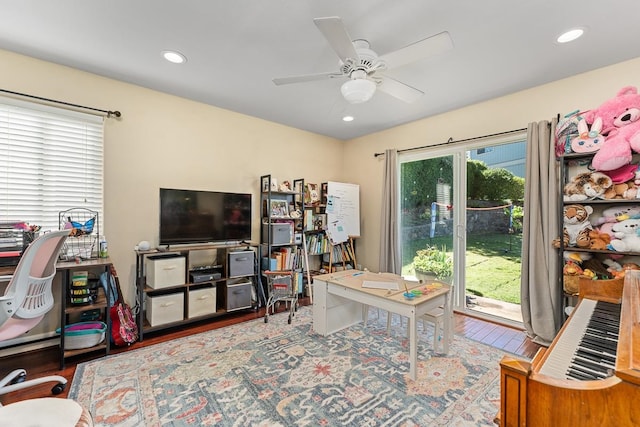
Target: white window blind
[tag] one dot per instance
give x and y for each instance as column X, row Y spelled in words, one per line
column 51, row 160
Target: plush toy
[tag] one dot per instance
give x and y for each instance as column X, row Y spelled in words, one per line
column 621, row 124
column 566, row 131
column 576, row 226
column 577, row 257
column 588, row 140
column 625, row 190
column 613, row 215
column 617, row 270
column 626, row 237
column 587, row 186
column 285, row 186
column 624, row 174
column 598, row 240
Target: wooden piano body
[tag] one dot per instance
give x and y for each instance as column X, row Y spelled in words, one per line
column 528, row 398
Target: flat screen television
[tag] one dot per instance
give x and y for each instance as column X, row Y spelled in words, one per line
column 192, row 216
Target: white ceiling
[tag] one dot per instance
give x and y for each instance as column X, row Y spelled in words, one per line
column 236, row 47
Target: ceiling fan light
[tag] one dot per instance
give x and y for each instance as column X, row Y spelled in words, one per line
column 358, row 91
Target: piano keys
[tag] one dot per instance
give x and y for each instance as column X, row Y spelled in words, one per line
column 590, row 374
column 587, row 348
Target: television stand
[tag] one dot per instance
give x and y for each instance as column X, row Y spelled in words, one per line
column 217, row 279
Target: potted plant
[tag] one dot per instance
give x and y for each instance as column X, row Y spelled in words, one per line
column 433, row 262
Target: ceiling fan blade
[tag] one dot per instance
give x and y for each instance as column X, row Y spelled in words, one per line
column 399, row 90
column 306, row 78
column 336, row 34
column 422, row 49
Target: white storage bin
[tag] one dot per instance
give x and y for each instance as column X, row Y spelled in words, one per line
column 164, row 271
column 163, row 309
column 202, row 302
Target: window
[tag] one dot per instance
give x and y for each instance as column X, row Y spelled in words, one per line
column 51, row 159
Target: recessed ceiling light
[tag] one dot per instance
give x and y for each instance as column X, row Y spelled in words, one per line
column 347, row 118
column 570, row 35
column 173, row 56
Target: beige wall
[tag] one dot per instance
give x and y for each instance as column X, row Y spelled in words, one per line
column 511, row 112
column 166, row 141
column 162, row 140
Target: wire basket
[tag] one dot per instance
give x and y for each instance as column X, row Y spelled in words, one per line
column 83, row 238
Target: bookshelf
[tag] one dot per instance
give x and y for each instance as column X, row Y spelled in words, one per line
column 281, row 231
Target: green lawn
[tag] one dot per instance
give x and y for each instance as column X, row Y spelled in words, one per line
column 493, row 263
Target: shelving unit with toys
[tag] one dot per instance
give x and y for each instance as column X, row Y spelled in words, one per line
column 601, row 220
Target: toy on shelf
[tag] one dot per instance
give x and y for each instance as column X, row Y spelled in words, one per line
column 588, row 140
column 576, row 226
column 587, row 186
column 620, row 117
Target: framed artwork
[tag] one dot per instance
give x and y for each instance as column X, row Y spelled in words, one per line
column 279, row 208
column 323, row 192
column 265, row 184
column 312, row 195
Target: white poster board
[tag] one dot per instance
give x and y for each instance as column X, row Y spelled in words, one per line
column 343, row 206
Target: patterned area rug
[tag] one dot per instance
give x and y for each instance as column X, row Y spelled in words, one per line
column 276, row 374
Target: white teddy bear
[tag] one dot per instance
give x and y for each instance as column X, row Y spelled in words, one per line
column 626, row 238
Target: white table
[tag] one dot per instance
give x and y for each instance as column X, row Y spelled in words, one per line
column 340, row 301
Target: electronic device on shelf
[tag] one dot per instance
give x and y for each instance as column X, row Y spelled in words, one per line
column 204, row 276
column 205, row 273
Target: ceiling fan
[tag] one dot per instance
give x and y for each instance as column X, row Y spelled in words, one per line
column 363, row 67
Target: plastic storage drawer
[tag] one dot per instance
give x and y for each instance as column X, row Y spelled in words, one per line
column 165, row 270
column 202, row 301
column 163, row 309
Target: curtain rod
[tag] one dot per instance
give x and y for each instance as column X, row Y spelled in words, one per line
column 452, row 141
column 107, row 112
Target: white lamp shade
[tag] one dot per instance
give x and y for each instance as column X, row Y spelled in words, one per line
column 358, row 90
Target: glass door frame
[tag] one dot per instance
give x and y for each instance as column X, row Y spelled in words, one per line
column 459, row 153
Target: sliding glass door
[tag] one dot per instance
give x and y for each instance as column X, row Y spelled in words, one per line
column 460, row 222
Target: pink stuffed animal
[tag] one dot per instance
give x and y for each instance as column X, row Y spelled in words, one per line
column 588, row 140
column 621, row 124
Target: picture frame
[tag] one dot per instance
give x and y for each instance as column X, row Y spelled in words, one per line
column 279, row 208
column 312, row 195
column 265, row 184
column 324, row 187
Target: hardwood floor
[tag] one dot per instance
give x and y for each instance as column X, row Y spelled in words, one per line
column 45, row 362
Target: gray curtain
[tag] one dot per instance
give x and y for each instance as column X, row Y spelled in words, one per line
column 541, row 291
column 389, row 248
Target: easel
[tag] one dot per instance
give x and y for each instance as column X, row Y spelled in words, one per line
column 306, row 262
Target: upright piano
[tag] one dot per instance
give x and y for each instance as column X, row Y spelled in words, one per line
column 590, row 374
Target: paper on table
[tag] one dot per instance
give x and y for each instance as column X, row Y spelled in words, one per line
column 380, row 285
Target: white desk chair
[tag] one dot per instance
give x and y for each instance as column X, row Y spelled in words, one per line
column 437, row 317
column 27, row 299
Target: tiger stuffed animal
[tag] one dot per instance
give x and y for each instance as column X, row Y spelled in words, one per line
column 576, row 226
column 587, row 186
